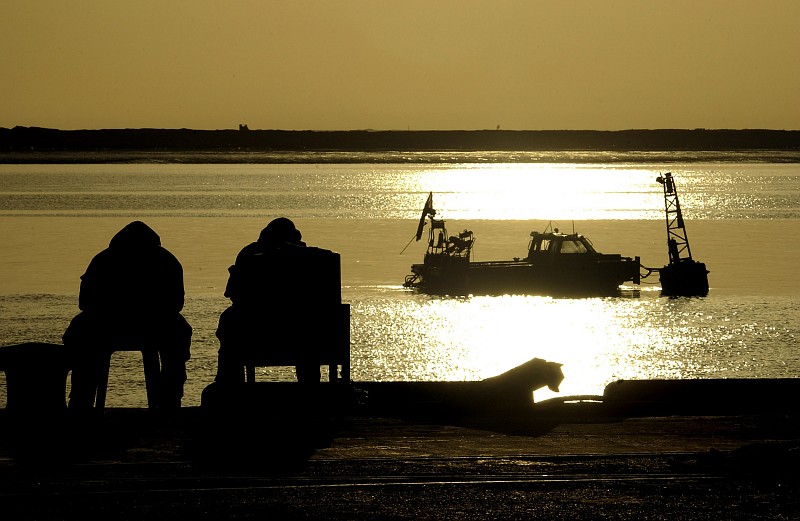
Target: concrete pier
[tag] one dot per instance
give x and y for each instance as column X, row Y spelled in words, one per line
column 572, row 460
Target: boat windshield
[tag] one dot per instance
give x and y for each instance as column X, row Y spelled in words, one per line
column 573, row 247
column 553, row 244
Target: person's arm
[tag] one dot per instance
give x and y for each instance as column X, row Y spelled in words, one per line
column 178, row 292
column 91, row 291
column 169, row 283
column 232, row 287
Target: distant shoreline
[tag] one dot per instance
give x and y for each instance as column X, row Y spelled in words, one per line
column 32, row 144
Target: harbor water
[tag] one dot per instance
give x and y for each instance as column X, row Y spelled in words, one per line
column 742, row 216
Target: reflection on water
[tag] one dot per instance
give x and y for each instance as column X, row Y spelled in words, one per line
column 743, row 224
column 497, row 191
column 402, row 335
column 598, row 340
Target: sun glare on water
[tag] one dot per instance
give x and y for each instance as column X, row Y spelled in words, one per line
column 540, row 191
column 598, row 340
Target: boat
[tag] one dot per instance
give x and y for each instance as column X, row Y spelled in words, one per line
column 556, row 264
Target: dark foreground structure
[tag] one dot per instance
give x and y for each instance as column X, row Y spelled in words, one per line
column 23, row 144
column 701, row 449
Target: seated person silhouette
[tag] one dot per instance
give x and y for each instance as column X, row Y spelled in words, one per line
column 273, row 288
column 132, row 293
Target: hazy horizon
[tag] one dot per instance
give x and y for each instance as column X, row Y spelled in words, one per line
column 361, row 64
column 250, row 127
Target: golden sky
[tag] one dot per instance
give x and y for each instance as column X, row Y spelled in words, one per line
column 389, row 65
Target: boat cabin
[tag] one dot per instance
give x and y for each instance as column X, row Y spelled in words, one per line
column 552, row 243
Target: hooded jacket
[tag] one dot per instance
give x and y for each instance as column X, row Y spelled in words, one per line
column 135, row 274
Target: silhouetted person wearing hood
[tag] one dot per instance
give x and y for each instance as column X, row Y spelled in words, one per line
column 132, row 292
column 265, row 289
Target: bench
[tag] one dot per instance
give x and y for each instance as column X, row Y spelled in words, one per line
column 150, row 363
column 325, row 342
column 36, row 378
column 287, row 310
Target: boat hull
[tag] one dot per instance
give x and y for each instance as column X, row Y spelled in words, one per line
column 601, row 274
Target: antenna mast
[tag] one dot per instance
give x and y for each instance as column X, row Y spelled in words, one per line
column 682, row 276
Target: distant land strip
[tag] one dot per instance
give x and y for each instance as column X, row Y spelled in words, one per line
column 34, row 144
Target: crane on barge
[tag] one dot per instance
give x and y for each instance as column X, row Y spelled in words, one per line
column 683, row 276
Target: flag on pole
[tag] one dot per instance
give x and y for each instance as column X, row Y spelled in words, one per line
column 426, row 211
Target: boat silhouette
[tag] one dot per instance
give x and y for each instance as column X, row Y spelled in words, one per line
column 556, row 264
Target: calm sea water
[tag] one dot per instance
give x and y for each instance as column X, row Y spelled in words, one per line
column 742, row 216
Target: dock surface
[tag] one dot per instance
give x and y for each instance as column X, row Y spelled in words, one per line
column 575, row 465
